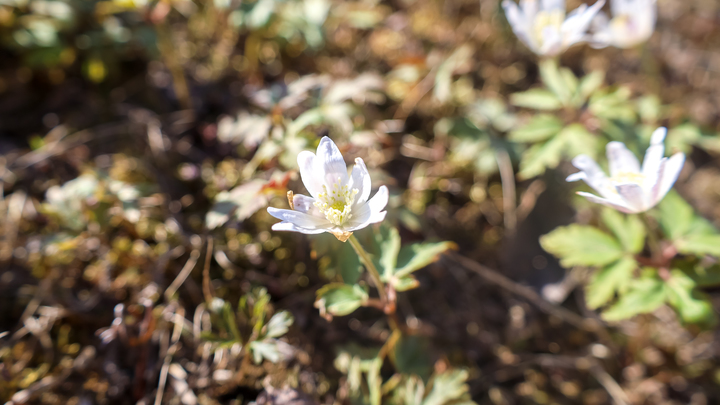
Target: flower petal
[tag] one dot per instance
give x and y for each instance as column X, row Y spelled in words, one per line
column 669, row 172
column 520, row 21
column 529, row 8
column 332, row 162
column 305, row 204
column 633, row 195
column 653, row 158
column 606, row 202
column 574, row 29
column 593, row 176
column 549, row 5
column 287, row 226
column 371, row 212
column 310, row 173
column 621, row 160
column 300, row 219
column 360, row 179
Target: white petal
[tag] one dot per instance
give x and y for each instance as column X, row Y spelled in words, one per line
column 360, row 180
column 310, row 172
column 594, row 176
column 332, row 162
column 549, row 5
column 379, row 200
column 606, row 202
column 372, row 219
column 621, row 160
column 300, row 219
column 575, row 27
column 670, row 170
column 371, row 212
column 304, row 204
column 529, row 8
column 519, row 21
column 287, row 226
column 552, row 41
column 576, row 177
column 633, row 195
column 653, row 157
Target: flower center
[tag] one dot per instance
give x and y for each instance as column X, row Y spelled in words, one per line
column 544, row 20
column 336, row 203
column 628, row 177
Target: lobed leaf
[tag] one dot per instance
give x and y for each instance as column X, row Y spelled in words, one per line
column 580, row 245
column 340, row 299
column 645, row 295
column 606, row 282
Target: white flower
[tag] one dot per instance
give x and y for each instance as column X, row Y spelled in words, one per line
column 633, row 23
column 629, row 188
column 339, row 203
column 543, row 27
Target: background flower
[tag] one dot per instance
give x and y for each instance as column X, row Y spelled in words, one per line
column 629, row 188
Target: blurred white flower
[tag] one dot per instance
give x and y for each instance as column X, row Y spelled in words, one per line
column 339, row 203
column 629, row 188
column 543, row 26
column 633, row 23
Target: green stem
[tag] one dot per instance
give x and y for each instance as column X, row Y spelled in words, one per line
column 370, row 266
column 653, row 241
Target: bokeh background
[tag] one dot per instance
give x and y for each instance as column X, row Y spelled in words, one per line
column 141, row 141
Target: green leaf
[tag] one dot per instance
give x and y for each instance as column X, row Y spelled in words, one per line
column 340, row 299
column 387, row 241
column 279, row 324
column 404, row 283
column 675, row 215
column 540, row 128
column 645, row 295
column 229, row 318
column 629, row 230
column 448, row 388
column 537, row 99
column 609, row 280
column 539, row 157
column 588, row 85
column 580, row 245
column 699, row 245
column 374, row 381
column 415, row 256
column 578, row 140
column 555, row 79
column 682, row 295
column 706, row 276
column 265, row 350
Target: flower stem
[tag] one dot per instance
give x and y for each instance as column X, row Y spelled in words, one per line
column 653, row 242
column 370, row 266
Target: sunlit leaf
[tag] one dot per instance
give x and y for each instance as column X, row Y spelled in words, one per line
column 418, row 255
column 691, row 306
column 279, row 324
column 645, row 295
column 553, row 78
column 628, row 229
column 537, row 99
column 580, row 245
column 449, row 387
column 540, row 128
column 607, row 281
column 340, row 299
